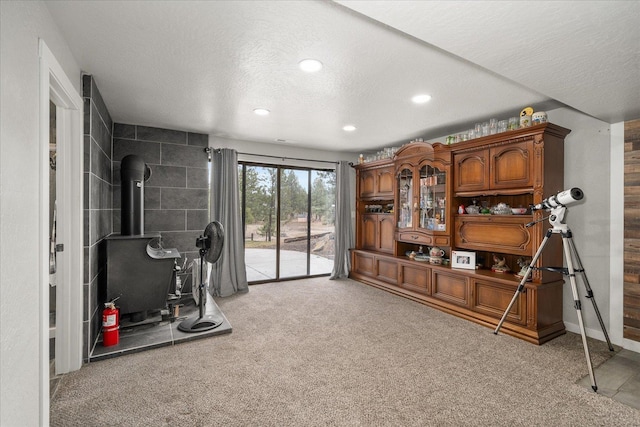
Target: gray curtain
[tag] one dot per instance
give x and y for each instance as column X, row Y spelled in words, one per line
column 344, row 231
column 229, row 274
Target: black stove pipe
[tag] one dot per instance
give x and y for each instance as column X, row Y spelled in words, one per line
column 133, row 172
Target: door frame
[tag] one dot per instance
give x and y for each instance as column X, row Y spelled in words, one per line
column 55, row 86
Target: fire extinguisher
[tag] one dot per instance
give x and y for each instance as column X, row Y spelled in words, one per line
column 110, row 324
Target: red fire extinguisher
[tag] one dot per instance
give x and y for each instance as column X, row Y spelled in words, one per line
column 110, row 324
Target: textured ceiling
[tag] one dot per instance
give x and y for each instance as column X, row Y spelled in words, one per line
column 204, row 66
column 584, row 54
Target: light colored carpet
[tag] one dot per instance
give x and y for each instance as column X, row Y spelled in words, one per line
column 317, row 352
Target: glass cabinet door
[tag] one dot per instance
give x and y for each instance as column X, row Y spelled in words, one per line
column 405, row 198
column 432, row 199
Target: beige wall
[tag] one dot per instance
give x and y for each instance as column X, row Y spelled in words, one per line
column 587, row 165
column 21, row 26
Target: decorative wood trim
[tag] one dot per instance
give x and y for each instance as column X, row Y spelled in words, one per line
column 519, row 135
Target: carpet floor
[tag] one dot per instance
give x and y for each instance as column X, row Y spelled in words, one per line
column 318, row 352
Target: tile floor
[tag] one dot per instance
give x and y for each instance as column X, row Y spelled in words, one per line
column 150, row 333
column 618, row 378
column 156, row 332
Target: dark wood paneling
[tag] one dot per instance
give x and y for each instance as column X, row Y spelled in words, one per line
column 631, row 293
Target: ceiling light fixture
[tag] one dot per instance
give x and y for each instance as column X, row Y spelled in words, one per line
column 261, row 111
column 310, row 65
column 349, row 128
column 421, row 99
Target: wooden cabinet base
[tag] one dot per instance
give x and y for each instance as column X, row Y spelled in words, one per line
column 480, row 297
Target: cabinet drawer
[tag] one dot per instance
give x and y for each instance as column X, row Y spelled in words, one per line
column 493, row 299
column 387, row 270
column 497, row 233
column 411, row 237
column 434, row 240
column 451, row 288
column 415, row 278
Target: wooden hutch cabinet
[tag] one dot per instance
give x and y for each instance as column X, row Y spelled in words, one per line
column 412, row 201
column 422, row 175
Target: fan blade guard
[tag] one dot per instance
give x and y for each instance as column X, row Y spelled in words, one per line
column 214, row 233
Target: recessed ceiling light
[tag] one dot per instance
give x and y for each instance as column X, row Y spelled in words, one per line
column 310, row 65
column 349, row 128
column 261, row 111
column 421, row 99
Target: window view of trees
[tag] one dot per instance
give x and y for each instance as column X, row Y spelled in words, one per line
column 261, row 197
column 306, row 211
column 323, row 197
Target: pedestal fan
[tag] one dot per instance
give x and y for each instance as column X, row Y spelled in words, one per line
column 210, row 245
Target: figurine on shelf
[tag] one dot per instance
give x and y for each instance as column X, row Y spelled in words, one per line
column 499, row 264
column 523, row 263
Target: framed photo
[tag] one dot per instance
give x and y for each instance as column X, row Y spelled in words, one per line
column 462, row 259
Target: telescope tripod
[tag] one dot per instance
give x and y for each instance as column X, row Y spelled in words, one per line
column 556, row 218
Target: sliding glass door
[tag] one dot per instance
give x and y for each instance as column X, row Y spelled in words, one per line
column 288, row 217
column 294, row 223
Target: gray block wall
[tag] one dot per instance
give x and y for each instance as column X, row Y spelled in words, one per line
column 98, row 190
column 176, row 196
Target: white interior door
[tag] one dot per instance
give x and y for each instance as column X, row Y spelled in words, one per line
column 56, row 87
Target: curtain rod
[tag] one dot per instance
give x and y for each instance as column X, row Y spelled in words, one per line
column 208, row 150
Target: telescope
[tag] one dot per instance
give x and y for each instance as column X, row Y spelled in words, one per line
column 557, row 205
column 563, row 198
